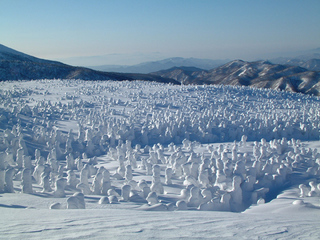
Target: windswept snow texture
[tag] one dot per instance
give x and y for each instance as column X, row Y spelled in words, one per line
column 134, row 159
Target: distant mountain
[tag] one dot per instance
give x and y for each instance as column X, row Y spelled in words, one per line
column 308, row 59
column 15, row 65
column 311, row 64
column 154, row 66
column 184, row 75
column 260, row 74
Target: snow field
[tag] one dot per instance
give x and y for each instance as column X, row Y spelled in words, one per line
column 127, row 146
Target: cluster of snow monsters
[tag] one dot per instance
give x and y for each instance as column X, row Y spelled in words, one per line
column 220, row 178
column 112, row 117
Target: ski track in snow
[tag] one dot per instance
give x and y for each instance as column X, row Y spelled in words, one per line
column 74, row 117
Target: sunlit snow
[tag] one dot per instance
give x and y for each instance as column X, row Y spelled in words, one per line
column 90, row 159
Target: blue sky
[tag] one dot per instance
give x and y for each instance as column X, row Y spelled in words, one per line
column 98, row 32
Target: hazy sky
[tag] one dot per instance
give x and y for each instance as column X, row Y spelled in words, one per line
column 132, row 31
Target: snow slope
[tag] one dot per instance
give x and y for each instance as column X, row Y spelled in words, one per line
column 191, row 162
column 295, row 223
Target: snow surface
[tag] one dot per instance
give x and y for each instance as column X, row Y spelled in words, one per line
column 193, row 147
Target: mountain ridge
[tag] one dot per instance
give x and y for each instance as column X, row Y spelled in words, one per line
column 15, row 65
column 260, row 74
column 153, row 66
column 307, row 59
